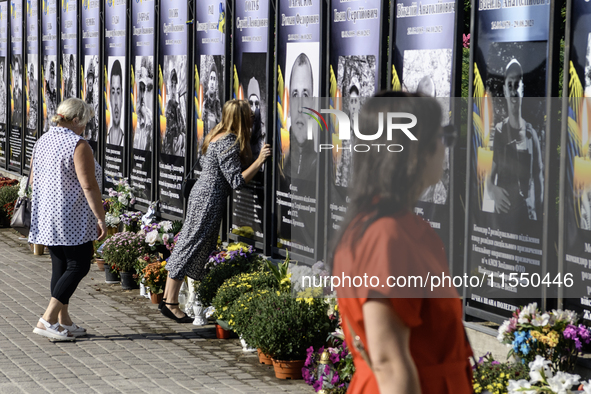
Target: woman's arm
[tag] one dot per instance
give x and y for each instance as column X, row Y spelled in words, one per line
column 388, row 341
column 251, row 171
column 84, row 165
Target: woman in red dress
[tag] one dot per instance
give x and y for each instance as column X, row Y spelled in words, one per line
column 409, row 339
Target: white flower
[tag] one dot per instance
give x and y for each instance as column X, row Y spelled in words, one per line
column 209, row 311
column 166, row 225
column 569, row 316
column 503, row 330
column 563, row 382
column 586, row 387
column 123, row 200
column 519, row 384
column 537, row 366
column 152, row 237
column 540, row 321
column 165, row 238
column 527, row 312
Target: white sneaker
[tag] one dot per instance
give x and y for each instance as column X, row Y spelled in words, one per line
column 75, row 330
column 51, row 331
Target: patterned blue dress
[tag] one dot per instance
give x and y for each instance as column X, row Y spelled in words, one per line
column 221, row 172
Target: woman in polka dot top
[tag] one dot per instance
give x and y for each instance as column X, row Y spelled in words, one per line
column 67, row 214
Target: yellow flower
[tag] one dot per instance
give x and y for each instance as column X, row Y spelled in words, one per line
column 225, row 308
column 278, row 293
column 163, row 264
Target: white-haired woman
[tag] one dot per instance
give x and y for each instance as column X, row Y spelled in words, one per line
column 67, row 213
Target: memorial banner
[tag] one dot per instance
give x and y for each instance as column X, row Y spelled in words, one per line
column 90, row 68
column 211, row 70
column 173, row 104
column 69, row 49
column 299, row 81
column 251, row 82
column 576, row 239
column 16, row 86
column 4, row 66
column 355, row 71
column 32, row 80
column 49, row 50
column 507, row 143
column 142, row 77
column 423, row 60
column 115, row 88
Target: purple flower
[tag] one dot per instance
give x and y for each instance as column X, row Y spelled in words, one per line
column 334, row 358
column 578, row 344
column 326, row 369
column 335, row 379
column 466, row 40
column 495, row 363
column 570, row 332
column 584, row 333
column 317, row 385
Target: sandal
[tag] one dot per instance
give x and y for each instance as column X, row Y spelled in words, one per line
column 161, row 304
column 168, row 313
column 51, row 331
column 75, row 330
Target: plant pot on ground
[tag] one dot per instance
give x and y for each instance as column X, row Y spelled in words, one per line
column 220, row 333
column 111, row 277
column 128, row 282
column 264, row 358
column 156, row 298
column 122, row 250
column 100, row 263
column 288, row 369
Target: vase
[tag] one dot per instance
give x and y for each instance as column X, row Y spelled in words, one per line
column 127, row 281
column 291, row 369
column 110, row 277
column 220, row 333
column 198, row 311
column 38, row 250
column 264, row 358
column 112, row 230
column 100, row 264
column 156, row 298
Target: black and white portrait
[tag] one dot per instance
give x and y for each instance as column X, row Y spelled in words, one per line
column 91, row 95
column 213, row 83
column 588, row 68
column 355, row 80
column 302, row 79
column 585, row 213
column 17, row 91
column 50, row 89
column 69, row 76
column 33, row 88
column 116, row 76
column 254, row 82
column 175, row 78
column 514, row 188
column 3, row 90
column 144, row 102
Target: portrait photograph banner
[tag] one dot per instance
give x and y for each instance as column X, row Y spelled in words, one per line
column 423, row 61
column 356, row 70
column 31, row 80
column 576, row 198
column 251, row 81
column 211, row 70
column 50, row 64
column 90, row 74
column 69, row 49
column 115, row 91
column 505, row 208
column 16, row 86
column 300, row 82
column 143, row 98
column 4, row 67
column 173, row 104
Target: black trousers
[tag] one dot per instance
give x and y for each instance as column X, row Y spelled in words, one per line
column 69, row 264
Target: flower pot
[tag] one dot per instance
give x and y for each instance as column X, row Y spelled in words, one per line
column 288, row 369
column 100, row 264
column 112, row 230
column 127, row 281
column 220, row 333
column 264, row 358
column 156, row 298
column 110, row 277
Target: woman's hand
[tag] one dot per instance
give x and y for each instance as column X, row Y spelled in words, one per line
column 101, row 228
column 265, row 153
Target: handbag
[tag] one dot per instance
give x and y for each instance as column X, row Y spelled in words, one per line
column 188, row 183
column 21, row 217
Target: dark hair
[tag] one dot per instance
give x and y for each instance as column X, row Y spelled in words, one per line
column 173, row 77
column 400, row 181
column 353, row 89
column 116, row 72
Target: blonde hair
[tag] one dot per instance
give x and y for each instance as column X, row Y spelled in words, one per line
column 72, row 108
column 236, row 119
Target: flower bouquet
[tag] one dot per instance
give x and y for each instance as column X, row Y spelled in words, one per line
column 155, row 276
column 131, row 221
column 494, row 376
column 552, row 335
column 164, row 233
column 121, row 197
column 543, row 380
column 122, row 250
